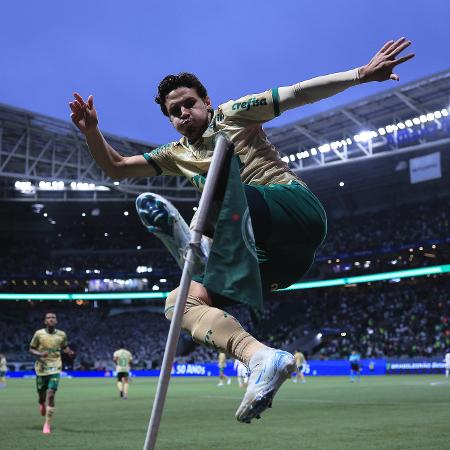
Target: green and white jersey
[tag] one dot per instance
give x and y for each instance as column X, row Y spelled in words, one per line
column 53, row 343
column 123, row 360
column 241, row 121
column 3, row 366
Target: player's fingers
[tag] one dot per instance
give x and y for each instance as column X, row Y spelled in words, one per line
column 394, row 52
column 90, row 101
column 386, row 46
column 72, row 106
column 401, row 60
column 79, row 98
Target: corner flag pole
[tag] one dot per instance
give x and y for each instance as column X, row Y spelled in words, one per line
column 222, row 147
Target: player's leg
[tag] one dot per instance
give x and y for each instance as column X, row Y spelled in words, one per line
column 53, row 383
column 50, row 411
column 220, row 383
column 125, row 386
column 119, row 384
column 2, row 380
column 41, row 387
column 208, row 325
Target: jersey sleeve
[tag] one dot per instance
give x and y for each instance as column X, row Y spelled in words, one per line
column 162, row 160
column 256, row 108
column 35, row 341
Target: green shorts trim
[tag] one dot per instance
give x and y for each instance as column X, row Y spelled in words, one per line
column 45, row 382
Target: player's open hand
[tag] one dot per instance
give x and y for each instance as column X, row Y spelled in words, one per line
column 381, row 66
column 43, row 354
column 84, row 115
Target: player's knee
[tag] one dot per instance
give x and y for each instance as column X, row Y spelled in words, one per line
column 198, row 296
column 170, row 304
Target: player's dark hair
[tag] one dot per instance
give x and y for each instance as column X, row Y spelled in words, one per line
column 172, row 82
column 49, row 312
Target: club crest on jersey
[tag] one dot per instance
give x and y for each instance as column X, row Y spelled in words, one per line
column 250, row 103
column 247, row 233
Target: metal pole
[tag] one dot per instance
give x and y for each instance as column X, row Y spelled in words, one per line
column 222, row 146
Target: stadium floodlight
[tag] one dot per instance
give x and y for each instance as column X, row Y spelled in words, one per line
column 416, row 121
column 125, row 213
column 381, row 131
column 319, row 335
column 430, row 117
column 409, row 123
column 437, row 114
column 324, row 148
column 313, row 151
column 401, row 125
column 444, row 112
column 51, row 185
column 83, row 214
column 341, row 183
column 349, row 141
column 292, row 157
column 116, row 183
column 343, row 334
column 423, row 118
column 299, row 156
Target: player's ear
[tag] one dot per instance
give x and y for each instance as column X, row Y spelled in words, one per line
column 207, row 101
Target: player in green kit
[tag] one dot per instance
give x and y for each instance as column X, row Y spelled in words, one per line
column 123, row 359
column 288, row 221
column 46, row 345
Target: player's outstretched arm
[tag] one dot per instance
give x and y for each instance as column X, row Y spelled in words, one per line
column 381, row 66
column 116, row 166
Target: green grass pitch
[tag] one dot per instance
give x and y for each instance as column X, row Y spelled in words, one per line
column 398, row 412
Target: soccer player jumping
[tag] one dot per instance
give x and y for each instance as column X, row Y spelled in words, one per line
column 289, row 222
column 46, row 345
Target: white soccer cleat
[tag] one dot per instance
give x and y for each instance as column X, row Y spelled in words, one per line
column 163, row 220
column 269, row 369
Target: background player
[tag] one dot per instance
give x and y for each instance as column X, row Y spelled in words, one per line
column 355, row 367
column 300, row 362
column 47, row 344
column 242, row 373
column 3, row 370
column 123, row 359
column 447, row 363
column 222, row 363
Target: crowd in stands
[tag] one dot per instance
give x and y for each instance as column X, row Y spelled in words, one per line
column 404, row 319
column 397, row 238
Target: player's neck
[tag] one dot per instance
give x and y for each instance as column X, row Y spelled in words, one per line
column 50, row 330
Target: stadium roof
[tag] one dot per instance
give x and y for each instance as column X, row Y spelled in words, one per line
column 35, row 148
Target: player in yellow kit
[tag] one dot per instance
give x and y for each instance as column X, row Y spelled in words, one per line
column 46, row 345
column 3, row 370
column 300, row 362
column 123, row 359
column 222, row 363
column 289, row 222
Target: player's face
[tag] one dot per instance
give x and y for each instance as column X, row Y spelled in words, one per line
column 188, row 112
column 50, row 320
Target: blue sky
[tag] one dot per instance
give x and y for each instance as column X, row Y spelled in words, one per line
column 118, row 51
